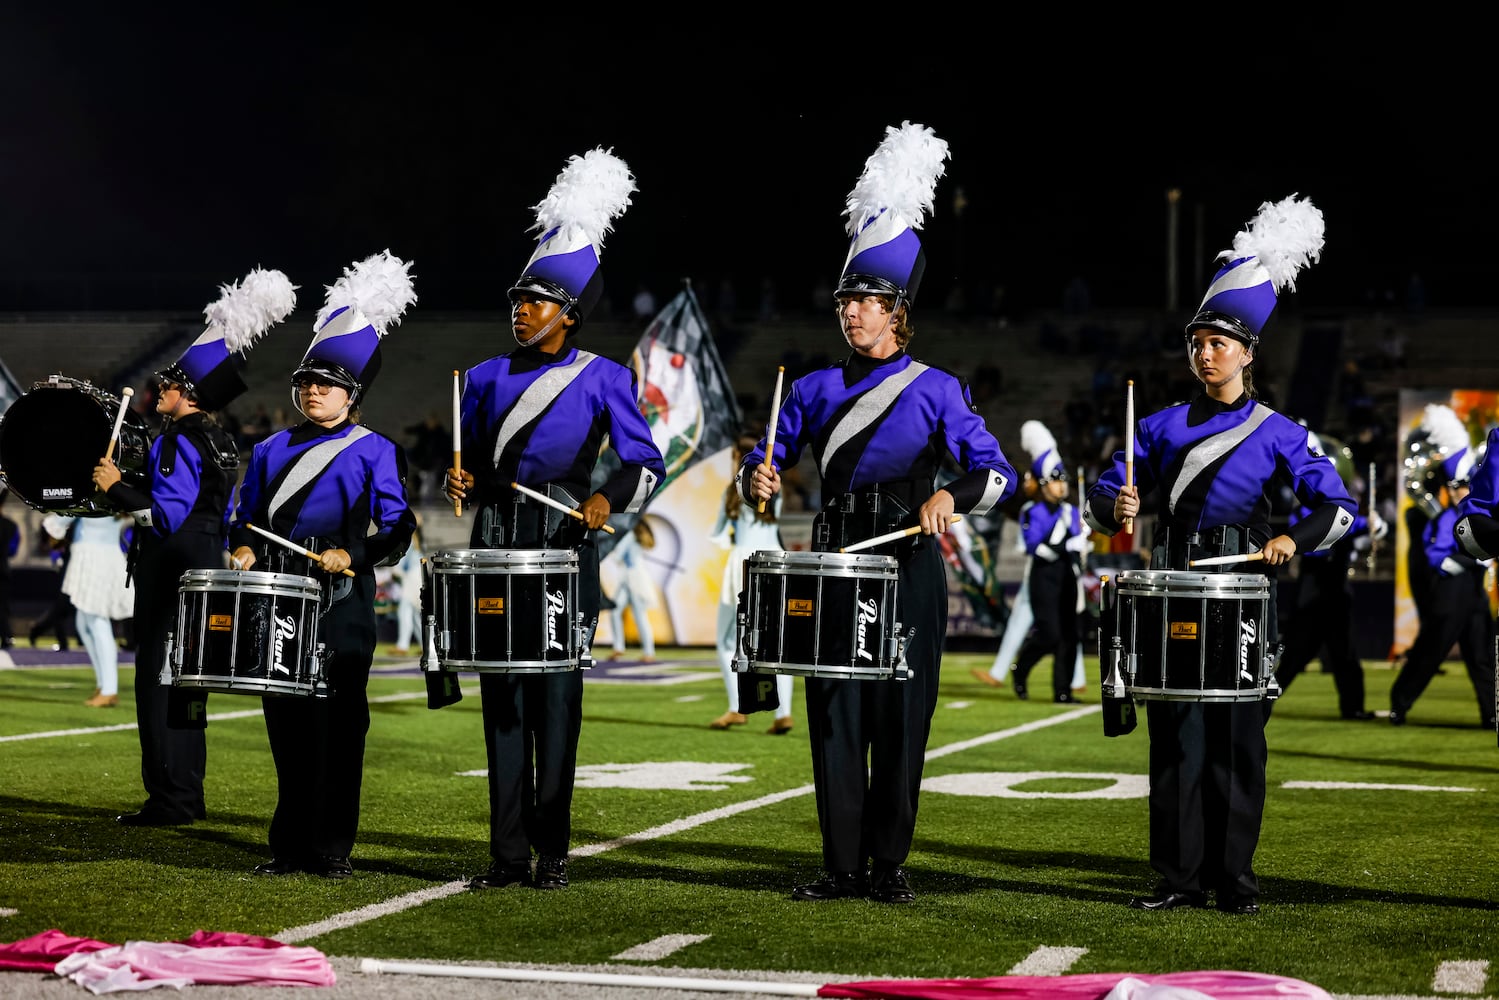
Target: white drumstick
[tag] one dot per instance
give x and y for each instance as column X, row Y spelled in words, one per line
column 290, row 544
column 457, row 437
column 554, row 503
column 891, row 536
column 1225, row 560
column 1129, row 446
column 770, row 432
column 114, row 435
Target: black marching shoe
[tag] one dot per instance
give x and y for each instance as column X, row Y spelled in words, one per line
column 1243, row 905
column 276, row 866
column 1397, row 718
column 152, row 817
column 1166, row 899
column 1065, row 699
column 551, row 872
column 834, row 885
column 889, row 885
column 1359, row 716
column 333, row 868
column 1021, row 691
column 500, row 876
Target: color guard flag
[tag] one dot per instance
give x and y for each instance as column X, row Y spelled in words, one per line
column 684, row 394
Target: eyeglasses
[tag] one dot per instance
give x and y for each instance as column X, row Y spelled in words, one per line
column 308, row 385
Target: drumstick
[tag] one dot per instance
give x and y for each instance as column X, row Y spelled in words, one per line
column 1129, row 446
column 868, row 543
column 291, row 545
column 770, row 432
column 1224, row 560
column 554, row 503
column 114, row 435
column 457, row 450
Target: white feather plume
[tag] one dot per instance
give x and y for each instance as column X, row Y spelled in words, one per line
column 379, row 287
column 248, row 308
column 1444, row 429
column 1036, row 439
column 1285, row 235
column 899, row 177
column 590, row 193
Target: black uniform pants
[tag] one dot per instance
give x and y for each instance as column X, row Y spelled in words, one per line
column 1458, row 613
column 1207, row 793
column 532, row 721
column 172, row 759
column 868, row 737
column 318, row 743
column 1053, row 595
column 1323, row 622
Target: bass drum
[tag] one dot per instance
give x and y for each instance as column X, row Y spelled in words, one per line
column 52, row 437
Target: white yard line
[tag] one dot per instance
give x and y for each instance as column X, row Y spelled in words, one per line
column 339, row 921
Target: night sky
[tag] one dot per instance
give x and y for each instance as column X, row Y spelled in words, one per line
column 150, row 153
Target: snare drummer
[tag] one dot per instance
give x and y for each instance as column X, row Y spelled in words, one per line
column 337, row 488
column 538, row 416
column 1211, row 463
column 181, row 516
column 879, row 424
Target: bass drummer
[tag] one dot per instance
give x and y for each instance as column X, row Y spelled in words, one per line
column 338, row 489
column 181, row 516
column 1211, row 463
column 879, row 424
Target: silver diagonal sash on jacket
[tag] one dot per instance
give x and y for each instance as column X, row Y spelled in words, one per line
column 867, row 409
column 537, row 397
column 304, row 469
column 1211, row 448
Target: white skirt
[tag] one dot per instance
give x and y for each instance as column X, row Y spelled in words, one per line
column 95, row 580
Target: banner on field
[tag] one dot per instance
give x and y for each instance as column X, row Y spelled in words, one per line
column 684, row 394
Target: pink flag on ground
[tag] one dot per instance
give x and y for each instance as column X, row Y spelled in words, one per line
column 206, row 957
column 1214, row 985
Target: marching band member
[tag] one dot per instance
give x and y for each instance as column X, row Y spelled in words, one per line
column 1456, row 611
column 538, row 416
column 1210, row 463
column 878, row 423
column 182, row 516
column 1054, row 539
column 337, row 488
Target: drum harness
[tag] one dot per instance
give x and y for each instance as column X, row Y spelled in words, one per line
column 866, row 513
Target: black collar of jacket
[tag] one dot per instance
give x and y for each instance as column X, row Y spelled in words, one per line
column 309, row 431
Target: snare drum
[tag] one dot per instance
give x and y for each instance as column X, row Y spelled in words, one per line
column 1192, row 637
column 246, row 632
column 508, row 611
column 821, row 614
column 52, row 437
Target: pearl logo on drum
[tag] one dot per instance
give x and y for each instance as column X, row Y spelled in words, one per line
column 1246, row 639
column 285, row 629
column 556, row 608
column 869, row 614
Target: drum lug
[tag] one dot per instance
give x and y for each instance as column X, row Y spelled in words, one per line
column 172, row 658
column 895, row 651
column 320, row 687
column 428, row 659
column 582, row 644
column 1113, row 682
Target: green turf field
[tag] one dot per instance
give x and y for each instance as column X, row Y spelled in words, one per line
column 1377, row 861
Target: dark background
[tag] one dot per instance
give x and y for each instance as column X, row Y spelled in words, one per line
column 153, row 152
